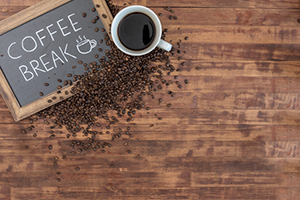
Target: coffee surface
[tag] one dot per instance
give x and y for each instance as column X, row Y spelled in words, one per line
column 136, row 31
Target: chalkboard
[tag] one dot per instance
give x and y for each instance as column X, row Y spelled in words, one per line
column 36, row 55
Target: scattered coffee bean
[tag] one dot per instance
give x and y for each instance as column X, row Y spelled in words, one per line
column 83, row 14
column 96, row 29
column 59, row 87
column 46, row 84
column 128, row 151
column 186, row 81
column 77, row 168
column 41, row 94
column 104, row 16
column 93, row 9
column 58, row 180
column 98, row 6
column 26, row 147
column 170, row 17
column 50, row 147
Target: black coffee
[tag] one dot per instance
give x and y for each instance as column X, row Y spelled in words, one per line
column 136, row 31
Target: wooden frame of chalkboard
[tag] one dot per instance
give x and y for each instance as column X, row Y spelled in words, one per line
column 20, row 112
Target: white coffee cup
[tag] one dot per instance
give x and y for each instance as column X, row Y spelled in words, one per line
column 157, row 42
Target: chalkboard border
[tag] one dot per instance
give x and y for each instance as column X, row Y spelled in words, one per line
column 8, row 24
column 23, row 17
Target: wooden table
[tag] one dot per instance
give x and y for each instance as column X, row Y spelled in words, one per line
column 233, row 132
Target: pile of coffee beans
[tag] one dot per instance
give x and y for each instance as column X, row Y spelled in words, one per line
column 115, row 84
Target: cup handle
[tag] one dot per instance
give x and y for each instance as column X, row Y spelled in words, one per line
column 164, row 45
column 93, row 43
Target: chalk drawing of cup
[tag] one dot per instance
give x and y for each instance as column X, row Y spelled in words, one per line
column 85, row 46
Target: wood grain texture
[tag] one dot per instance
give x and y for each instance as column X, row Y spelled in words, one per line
column 233, row 132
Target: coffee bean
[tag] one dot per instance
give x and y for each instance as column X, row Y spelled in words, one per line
column 58, row 173
column 41, row 94
column 104, row 16
column 83, row 14
column 170, row 17
column 128, row 151
column 186, row 81
column 93, row 9
column 98, row 6
column 26, row 147
column 160, row 14
column 169, row 105
column 69, row 75
column 58, row 180
column 160, row 100
column 59, row 87
column 50, row 147
column 77, row 168
column 186, row 38
column 59, row 80
column 96, row 29
column 49, row 101
column 46, row 84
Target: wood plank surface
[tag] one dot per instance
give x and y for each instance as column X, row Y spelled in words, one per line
column 232, row 132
